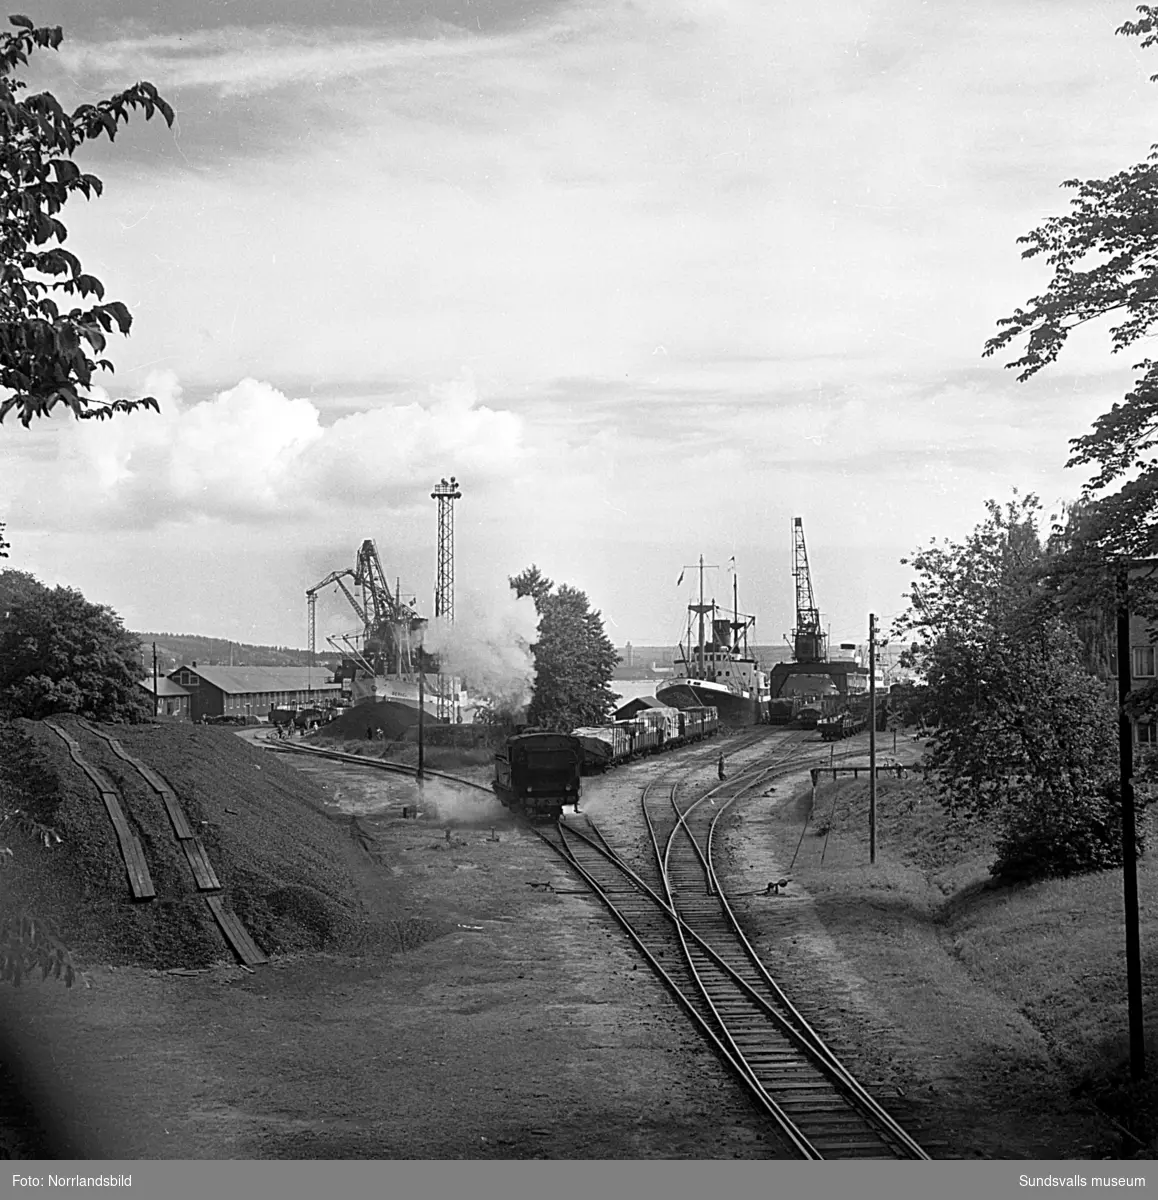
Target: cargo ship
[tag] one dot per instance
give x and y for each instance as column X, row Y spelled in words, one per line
column 717, row 670
column 813, row 689
column 362, row 686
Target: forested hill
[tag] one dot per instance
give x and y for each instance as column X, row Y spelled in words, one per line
column 175, row 649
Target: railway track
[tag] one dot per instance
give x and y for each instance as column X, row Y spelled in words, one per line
column 675, row 911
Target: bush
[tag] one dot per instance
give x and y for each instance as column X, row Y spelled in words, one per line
column 61, row 654
column 1052, row 835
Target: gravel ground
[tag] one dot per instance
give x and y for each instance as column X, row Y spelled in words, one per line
column 498, row 1012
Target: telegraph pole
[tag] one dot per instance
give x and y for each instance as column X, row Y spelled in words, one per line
column 872, row 738
column 421, row 716
column 1129, row 842
column 156, row 698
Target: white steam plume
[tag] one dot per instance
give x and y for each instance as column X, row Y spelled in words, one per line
column 489, row 646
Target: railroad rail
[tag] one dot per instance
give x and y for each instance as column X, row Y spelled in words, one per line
column 383, row 764
column 677, row 914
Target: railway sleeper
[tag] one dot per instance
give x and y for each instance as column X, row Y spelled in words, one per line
column 832, row 1147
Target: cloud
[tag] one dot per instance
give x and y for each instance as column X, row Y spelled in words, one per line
column 251, row 454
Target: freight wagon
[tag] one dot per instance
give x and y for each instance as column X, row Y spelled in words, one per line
column 649, row 732
column 839, row 725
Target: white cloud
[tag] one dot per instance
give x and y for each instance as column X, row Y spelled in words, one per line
column 251, row 453
column 812, row 213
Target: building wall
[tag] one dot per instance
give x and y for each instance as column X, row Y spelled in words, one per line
column 205, row 700
column 208, row 700
column 176, row 707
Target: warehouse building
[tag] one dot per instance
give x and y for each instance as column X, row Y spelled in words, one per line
column 252, row 691
column 171, row 700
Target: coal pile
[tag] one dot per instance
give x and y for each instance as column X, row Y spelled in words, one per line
column 388, row 718
column 282, row 861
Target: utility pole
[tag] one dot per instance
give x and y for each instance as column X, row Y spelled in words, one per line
column 421, row 716
column 156, row 698
column 1129, row 842
column 872, row 738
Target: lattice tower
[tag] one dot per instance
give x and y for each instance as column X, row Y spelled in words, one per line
column 446, row 492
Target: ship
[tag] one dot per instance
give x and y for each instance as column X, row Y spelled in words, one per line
column 360, row 684
column 717, row 671
column 813, row 687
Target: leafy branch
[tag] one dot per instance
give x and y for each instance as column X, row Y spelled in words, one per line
column 48, row 356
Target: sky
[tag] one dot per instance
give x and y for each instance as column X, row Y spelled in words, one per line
column 650, row 278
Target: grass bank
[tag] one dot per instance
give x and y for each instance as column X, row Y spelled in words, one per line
column 1051, row 951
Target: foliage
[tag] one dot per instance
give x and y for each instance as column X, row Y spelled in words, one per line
column 44, row 351
column 27, row 945
column 1024, row 733
column 59, row 653
column 574, row 658
column 1104, row 256
column 909, row 704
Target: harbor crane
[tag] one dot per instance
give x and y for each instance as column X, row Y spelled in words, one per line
column 391, row 628
column 809, row 640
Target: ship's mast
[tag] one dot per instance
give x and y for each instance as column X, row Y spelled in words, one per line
column 700, row 610
column 735, row 614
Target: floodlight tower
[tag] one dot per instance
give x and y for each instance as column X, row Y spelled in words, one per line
column 446, row 493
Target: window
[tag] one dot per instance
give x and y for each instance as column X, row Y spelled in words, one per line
column 1146, row 733
column 1143, row 662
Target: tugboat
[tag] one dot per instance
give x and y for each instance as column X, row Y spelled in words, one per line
column 718, row 670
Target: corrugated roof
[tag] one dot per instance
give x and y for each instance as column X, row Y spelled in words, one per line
column 165, row 687
column 636, row 705
column 243, row 680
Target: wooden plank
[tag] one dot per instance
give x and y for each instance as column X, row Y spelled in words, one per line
column 235, row 933
column 140, row 881
column 173, row 807
column 199, row 862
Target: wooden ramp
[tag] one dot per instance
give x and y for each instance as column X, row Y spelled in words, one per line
column 231, row 926
column 140, row 881
column 235, row 933
column 200, row 865
column 168, row 796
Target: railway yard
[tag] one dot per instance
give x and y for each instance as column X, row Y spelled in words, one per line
column 470, row 995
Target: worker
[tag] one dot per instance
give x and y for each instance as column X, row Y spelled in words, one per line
column 369, row 733
column 720, row 767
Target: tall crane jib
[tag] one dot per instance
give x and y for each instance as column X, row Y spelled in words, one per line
column 809, row 641
column 391, row 629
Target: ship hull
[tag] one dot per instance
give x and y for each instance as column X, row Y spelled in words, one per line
column 732, row 709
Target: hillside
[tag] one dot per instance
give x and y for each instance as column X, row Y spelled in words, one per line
column 176, row 649
column 282, row 862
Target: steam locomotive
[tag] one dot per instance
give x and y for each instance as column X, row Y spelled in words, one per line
column 537, row 773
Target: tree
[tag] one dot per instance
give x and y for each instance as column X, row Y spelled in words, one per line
column 1023, row 732
column 574, row 658
column 45, row 353
column 1104, row 255
column 61, row 654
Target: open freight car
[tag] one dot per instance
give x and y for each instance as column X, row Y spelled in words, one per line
column 538, row 773
column 649, row 732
